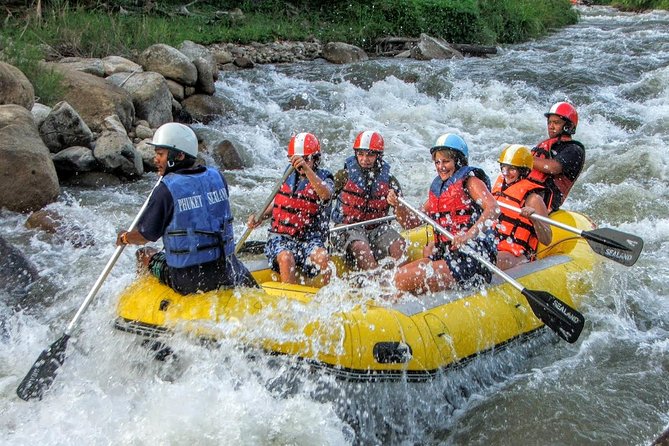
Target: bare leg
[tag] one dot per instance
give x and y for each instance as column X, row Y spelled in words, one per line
column 397, row 249
column 362, row 254
column 506, row 260
column 286, row 262
column 320, row 258
column 424, row 275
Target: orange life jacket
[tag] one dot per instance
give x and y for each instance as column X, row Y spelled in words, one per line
column 516, row 234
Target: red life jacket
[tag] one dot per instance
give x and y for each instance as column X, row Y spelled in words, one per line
column 296, row 207
column 356, row 202
column 450, row 205
column 516, row 234
column 557, row 186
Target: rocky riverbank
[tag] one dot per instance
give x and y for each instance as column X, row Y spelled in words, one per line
column 97, row 135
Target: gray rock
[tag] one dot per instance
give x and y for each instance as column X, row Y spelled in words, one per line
column 95, row 99
column 225, row 154
column 15, row 88
column 196, row 51
column 75, row 159
column 117, row 64
column 87, row 65
column 150, row 94
column 205, row 77
column 169, row 62
column 341, row 53
column 28, row 177
column 148, row 153
column 116, row 154
column 429, row 48
column 53, row 223
column 63, row 128
column 40, row 111
column 205, row 108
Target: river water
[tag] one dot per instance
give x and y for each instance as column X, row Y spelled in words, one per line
column 609, row 388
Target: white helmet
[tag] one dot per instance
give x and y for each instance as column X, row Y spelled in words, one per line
column 175, row 136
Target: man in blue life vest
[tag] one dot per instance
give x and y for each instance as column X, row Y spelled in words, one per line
column 190, row 210
column 558, row 161
column 361, row 188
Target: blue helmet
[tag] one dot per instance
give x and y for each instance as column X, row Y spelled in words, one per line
column 452, row 142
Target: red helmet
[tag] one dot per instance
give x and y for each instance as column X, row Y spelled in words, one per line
column 369, row 140
column 567, row 112
column 303, row 144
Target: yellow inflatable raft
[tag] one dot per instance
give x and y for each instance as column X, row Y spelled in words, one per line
column 357, row 336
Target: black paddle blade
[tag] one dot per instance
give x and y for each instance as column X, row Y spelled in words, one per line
column 557, row 315
column 252, row 247
column 43, row 372
column 619, row 246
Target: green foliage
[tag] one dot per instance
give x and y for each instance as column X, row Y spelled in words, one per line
column 98, row 28
column 516, row 21
column 640, row 5
column 46, row 82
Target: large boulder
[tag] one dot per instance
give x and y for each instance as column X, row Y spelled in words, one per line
column 341, row 53
column 196, row 51
column 63, row 128
column 429, row 48
column 118, row 64
column 74, row 159
column 116, row 154
column 94, row 98
column 28, row 177
column 88, row 65
column 169, row 62
column 205, row 108
column 150, row 95
column 15, row 88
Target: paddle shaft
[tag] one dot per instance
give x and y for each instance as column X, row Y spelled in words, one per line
column 110, row 264
column 362, row 223
column 44, row 370
column 544, row 219
column 258, row 215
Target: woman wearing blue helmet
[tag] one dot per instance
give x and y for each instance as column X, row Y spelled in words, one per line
column 459, row 200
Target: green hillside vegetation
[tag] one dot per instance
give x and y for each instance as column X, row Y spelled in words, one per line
column 90, row 28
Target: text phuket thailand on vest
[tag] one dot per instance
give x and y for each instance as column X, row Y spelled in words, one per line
column 195, row 201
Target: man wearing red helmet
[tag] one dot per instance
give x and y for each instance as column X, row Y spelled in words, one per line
column 558, row 160
column 300, row 214
column 361, row 188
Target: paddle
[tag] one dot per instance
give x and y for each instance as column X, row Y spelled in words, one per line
column 258, row 214
column 362, row 223
column 560, row 317
column 257, row 246
column 43, row 372
column 616, row 245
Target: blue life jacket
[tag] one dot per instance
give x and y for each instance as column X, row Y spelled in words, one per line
column 201, row 227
